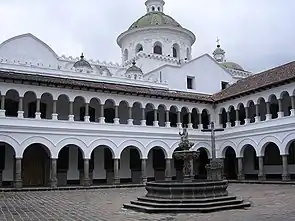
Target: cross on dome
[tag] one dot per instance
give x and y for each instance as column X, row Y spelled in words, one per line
column 154, row 5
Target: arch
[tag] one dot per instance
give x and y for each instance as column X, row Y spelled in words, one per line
column 138, row 48
column 206, row 147
column 131, row 143
column 240, row 105
column 37, row 140
column 230, row 108
column 175, row 50
column 223, row 147
column 250, row 102
column 157, row 48
column 157, row 143
column 11, row 142
column 243, row 144
column 286, row 143
column 265, row 141
column 71, row 141
column 284, row 93
column 102, row 142
column 125, row 55
column 135, row 103
column 260, row 99
column 162, row 106
column 272, row 97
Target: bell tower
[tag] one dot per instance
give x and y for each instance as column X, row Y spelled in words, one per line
column 154, row 5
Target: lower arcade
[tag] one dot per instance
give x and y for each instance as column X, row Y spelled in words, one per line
column 37, row 168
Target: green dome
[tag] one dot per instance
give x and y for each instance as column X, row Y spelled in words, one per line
column 154, row 19
column 232, row 65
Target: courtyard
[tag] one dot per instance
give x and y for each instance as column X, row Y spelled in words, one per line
column 269, row 202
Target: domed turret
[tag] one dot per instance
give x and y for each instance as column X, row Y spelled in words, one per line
column 219, row 53
column 134, row 72
column 82, row 65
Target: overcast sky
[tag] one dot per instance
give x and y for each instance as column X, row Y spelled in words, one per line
column 257, row 34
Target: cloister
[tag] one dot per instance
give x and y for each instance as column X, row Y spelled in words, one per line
column 94, row 138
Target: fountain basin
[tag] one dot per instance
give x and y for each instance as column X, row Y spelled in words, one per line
column 186, row 190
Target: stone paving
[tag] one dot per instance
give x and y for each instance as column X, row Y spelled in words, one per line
column 269, row 202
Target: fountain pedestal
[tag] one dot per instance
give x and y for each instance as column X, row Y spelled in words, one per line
column 188, row 195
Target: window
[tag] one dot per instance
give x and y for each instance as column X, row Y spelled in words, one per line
column 157, row 49
column 153, row 8
column 138, row 48
column 224, row 85
column 159, row 9
column 190, row 82
column 175, row 50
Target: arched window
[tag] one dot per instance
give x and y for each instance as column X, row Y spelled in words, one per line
column 175, row 51
column 138, row 48
column 157, row 48
column 159, row 9
column 125, row 55
column 153, row 8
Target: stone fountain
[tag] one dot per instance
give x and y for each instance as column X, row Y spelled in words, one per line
column 188, row 194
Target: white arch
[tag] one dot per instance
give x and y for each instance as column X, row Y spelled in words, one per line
column 204, row 145
column 286, row 143
column 134, row 143
column 266, row 140
column 243, row 144
column 103, row 142
column 157, row 143
column 224, row 146
column 37, row 140
column 71, row 141
column 12, row 142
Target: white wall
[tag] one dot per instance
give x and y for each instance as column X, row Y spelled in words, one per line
column 207, row 73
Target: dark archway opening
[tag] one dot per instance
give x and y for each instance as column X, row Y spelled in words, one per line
column 230, row 164
column 36, row 166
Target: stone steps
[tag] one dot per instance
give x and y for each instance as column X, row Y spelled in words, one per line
column 201, row 200
column 147, row 209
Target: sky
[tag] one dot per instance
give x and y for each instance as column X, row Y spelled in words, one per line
column 257, row 34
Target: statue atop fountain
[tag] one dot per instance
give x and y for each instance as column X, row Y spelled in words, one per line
column 185, row 153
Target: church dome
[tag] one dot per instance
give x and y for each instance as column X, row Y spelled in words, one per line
column 154, row 18
column 232, row 65
column 82, row 63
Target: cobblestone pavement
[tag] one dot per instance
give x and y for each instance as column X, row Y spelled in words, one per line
column 269, row 202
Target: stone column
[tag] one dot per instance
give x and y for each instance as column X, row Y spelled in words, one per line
column 20, row 113
column 116, row 119
column 247, row 119
column 168, row 175
column 200, row 126
column 87, row 117
column 261, row 175
column 268, row 115
column 241, row 175
column 116, row 171
column 280, row 112
column 156, row 122
column 130, row 120
column 143, row 121
column 71, row 115
column 38, row 114
column 53, row 173
column 18, row 182
column 143, row 171
column 179, row 124
column 257, row 117
column 285, row 174
column 54, row 114
column 167, row 123
column 86, row 172
column 228, row 123
column 293, row 105
column 237, row 122
column 2, row 110
column 102, row 118
column 190, row 125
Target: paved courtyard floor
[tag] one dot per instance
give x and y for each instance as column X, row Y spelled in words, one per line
column 269, row 202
